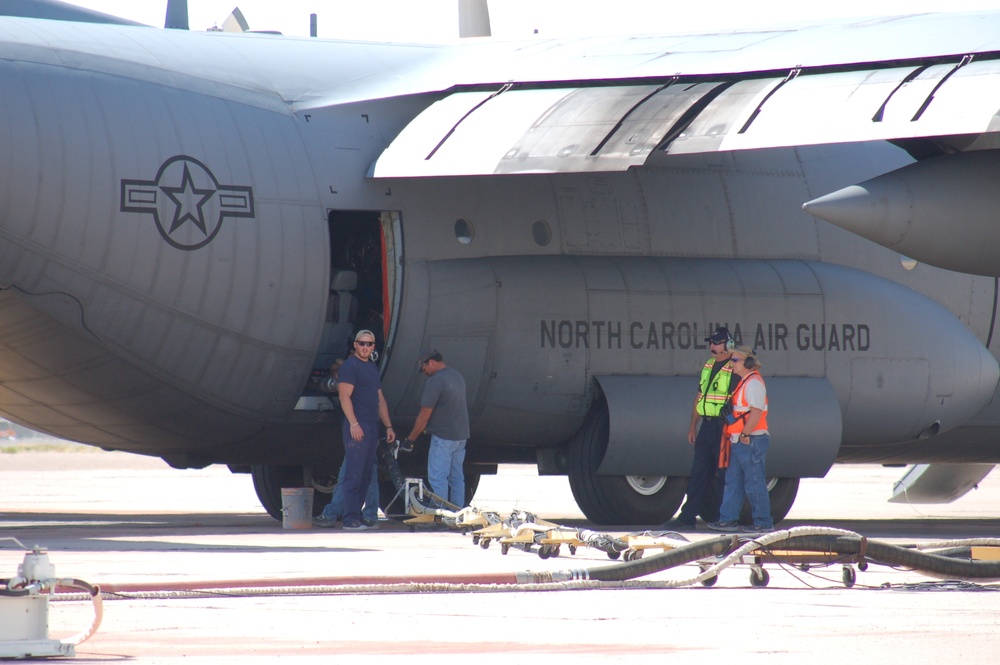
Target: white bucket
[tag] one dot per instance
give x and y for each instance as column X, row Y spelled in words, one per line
column 296, row 507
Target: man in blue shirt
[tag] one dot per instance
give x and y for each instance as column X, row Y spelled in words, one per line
column 360, row 391
column 333, row 510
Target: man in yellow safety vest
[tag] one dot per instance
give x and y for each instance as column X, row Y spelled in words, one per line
column 704, row 492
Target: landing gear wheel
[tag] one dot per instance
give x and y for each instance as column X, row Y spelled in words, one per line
column 781, row 492
column 759, row 579
column 616, row 499
column 849, row 577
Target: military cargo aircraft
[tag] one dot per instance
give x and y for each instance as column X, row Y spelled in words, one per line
column 192, row 225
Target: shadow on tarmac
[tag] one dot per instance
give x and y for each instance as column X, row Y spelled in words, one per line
column 95, row 528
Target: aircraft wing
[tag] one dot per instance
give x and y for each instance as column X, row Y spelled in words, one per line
column 596, row 104
column 607, row 105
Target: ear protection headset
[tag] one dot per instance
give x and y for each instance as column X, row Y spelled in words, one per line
column 751, row 360
column 730, row 344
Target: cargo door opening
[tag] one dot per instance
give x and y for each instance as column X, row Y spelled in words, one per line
column 364, row 282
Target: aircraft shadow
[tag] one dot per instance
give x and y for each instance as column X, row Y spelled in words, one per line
column 153, row 532
column 110, row 532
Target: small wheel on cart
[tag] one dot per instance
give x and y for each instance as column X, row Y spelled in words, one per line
column 637, row 555
column 849, row 577
column 804, row 567
column 759, row 579
column 504, row 548
column 614, row 555
column 862, row 566
column 572, row 550
column 628, row 555
column 485, row 543
column 554, row 551
column 710, row 581
column 475, row 539
column 543, row 552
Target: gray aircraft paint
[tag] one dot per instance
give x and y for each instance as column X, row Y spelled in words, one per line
column 165, row 256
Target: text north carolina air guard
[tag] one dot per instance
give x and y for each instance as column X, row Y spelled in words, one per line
column 667, row 335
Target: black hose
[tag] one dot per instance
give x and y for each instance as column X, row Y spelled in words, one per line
column 663, row 560
column 7, row 591
column 387, row 462
column 92, row 589
column 933, row 564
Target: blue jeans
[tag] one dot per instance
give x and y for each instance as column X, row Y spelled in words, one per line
column 746, row 477
column 707, row 479
column 335, row 508
column 359, row 458
column 444, row 469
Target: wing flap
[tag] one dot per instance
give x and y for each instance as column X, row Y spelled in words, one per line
column 600, row 127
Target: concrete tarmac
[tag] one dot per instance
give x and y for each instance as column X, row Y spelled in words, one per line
column 112, row 518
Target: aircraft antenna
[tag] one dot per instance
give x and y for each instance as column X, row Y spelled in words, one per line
column 177, row 15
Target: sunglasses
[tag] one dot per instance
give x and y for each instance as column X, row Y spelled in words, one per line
column 365, row 343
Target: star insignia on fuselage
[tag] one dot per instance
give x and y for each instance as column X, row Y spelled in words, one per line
column 187, row 193
column 189, row 201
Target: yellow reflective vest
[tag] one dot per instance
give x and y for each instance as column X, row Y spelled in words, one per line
column 715, row 395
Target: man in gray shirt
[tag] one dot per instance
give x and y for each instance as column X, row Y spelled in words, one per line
column 445, row 414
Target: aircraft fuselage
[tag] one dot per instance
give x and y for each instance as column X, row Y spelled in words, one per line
column 169, row 233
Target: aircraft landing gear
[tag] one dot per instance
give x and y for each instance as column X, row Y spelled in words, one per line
column 617, row 499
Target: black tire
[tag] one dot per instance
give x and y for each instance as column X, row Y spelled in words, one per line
column 849, row 577
column 782, row 493
column 616, row 500
column 268, row 481
column 761, row 580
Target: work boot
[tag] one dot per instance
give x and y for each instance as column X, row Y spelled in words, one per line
column 324, row 522
column 757, row 529
column 728, row 527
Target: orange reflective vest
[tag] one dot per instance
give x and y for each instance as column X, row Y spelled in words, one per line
column 741, row 408
column 714, row 395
